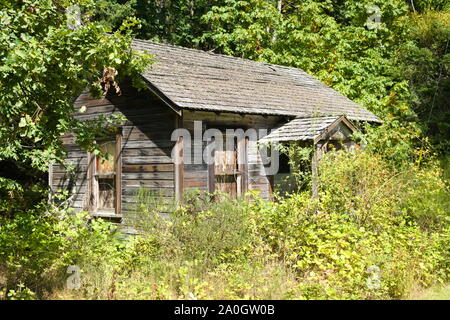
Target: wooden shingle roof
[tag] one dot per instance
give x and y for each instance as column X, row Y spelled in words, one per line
column 199, row 80
column 302, row 129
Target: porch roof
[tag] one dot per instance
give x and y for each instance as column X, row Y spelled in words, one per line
column 303, row 129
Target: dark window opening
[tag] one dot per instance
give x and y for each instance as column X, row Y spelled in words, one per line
column 284, row 166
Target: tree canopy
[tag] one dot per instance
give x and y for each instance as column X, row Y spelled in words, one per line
column 390, row 56
column 46, row 59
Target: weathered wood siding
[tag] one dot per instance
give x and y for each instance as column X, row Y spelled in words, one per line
column 146, row 146
column 196, row 175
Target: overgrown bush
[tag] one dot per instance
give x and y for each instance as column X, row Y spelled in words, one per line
column 208, row 230
column 37, row 246
column 374, row 231
column 366, row 214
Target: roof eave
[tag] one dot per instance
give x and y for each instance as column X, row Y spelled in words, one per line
column 164, row 98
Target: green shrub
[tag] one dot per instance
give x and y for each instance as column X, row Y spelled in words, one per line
column 374, row 231
column 27, row 247
column 206, row 230
column 37, row 246
column 366, row 214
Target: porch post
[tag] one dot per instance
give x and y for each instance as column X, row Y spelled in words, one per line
column 317, row 154
column 179, row 163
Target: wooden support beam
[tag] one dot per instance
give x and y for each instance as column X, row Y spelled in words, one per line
column 314, row 171
column 319, row 150
column 118, row 168
column 179, row 163
column 211, row 170
column 88, row 199
column 242, row 179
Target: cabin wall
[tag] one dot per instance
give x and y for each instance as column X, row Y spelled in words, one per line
column 146, row 147
column 196, row 175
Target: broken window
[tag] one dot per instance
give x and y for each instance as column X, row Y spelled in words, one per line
column 105, row 176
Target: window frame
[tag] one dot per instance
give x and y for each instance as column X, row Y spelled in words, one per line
column 92, row 194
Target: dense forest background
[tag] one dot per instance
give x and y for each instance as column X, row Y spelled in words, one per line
column 390, row 56
column 393, row 58
column 387, row 206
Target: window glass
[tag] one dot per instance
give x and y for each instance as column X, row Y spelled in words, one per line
column 106, row 193
column 106, row 164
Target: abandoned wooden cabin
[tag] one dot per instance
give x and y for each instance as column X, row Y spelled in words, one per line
column 204, row 94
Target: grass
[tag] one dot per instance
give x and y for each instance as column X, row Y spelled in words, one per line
column 439, row 292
